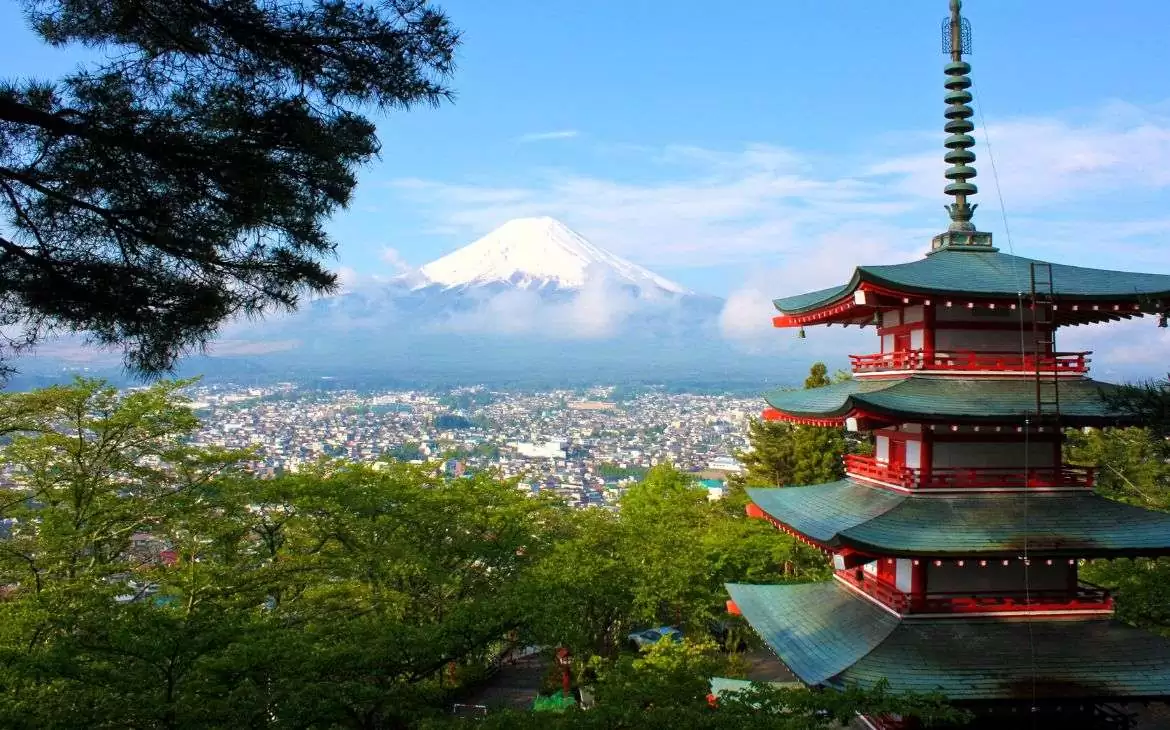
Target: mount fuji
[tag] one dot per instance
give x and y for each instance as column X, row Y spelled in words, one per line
column 540, row 253
column 532, row 302
column 531, row 296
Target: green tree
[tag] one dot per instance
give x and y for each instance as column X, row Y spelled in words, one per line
column 818, row 376
column 783, row 453
column 664, row 558
column 1132, row 467
column 581, row 595
column 1131, row 463
column 340, row 596
column 93, row 470
column 187, row 177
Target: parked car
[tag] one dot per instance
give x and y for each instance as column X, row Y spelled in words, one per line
column 647, row 637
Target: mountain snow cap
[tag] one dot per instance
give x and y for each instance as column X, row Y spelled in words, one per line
column 538, row 253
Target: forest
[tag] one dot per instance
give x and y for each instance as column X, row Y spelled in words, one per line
column 148, row 583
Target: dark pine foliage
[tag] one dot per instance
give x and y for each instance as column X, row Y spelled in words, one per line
column 187, row 178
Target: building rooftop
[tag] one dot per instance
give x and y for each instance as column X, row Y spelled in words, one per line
column 945, row 399
column 989, row 274
column 829, row 636
column 1081, row 524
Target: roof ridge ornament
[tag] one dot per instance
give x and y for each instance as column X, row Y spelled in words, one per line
column 961, row 234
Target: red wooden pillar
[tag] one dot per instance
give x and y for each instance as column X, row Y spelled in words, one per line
column 917, row 583
column 925, row 457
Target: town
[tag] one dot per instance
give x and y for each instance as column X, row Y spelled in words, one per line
column 584, row 445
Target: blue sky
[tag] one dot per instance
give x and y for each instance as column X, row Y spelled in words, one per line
column 768, row 147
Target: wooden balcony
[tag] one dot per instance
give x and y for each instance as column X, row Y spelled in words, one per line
column 963, row 361
column 1063, row 477
column 1084, row 598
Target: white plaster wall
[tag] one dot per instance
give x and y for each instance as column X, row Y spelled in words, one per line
column 914, row 454
column 890, row 318
column 916, row 339
column 902, row 574
column 912, row 314
column 990, row 454
column 887, row 343
column 881, row 449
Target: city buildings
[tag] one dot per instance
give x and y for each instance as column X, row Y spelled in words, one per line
column 586, row 449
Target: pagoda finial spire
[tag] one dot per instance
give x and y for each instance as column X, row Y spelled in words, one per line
column 958, row 114
column 956, row 37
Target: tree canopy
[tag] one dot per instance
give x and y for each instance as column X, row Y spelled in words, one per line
column 784, row 453
column 149, row 583
column 1133, row 466
column 186, row 178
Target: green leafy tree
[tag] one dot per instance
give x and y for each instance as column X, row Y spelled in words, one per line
column 340, row 596
column 784, row 454
column 581, row 595
column 187, row 177
column 90, row 633
column 818, row 376
column 1132, row 467
column 1131, row 463
column 663, row 558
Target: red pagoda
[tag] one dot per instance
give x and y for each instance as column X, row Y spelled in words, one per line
column 956, row 545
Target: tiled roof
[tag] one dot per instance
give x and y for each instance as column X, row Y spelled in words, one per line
column 987, row 274
column 817, row 629
column 1074, row 524
column 940, row 398
column 831, row 637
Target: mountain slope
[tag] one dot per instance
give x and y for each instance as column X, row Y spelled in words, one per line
column 539, row 253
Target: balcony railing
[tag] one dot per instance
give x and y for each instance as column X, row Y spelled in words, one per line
column 958, row 477
column 1084, row 597
column 966, row 361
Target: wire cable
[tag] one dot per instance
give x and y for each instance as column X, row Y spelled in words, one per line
column 1016, row 268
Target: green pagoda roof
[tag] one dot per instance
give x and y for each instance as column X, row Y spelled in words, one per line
column 987, row 274
column 1074, row 524
column 829, row 636
column 923, row 397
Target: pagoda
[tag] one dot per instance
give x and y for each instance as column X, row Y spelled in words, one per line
column 956, row 544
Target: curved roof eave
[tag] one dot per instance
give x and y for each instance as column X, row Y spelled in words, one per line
column 1004, row 275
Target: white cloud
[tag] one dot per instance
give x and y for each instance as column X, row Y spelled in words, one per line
column 691, row 206
column 808, row 220
column 546, row 136
column 596, row 311
column 1044, row 161
column 394, row 258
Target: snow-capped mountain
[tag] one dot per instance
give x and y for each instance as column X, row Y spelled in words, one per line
column 539, row 254
column 531, row 298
